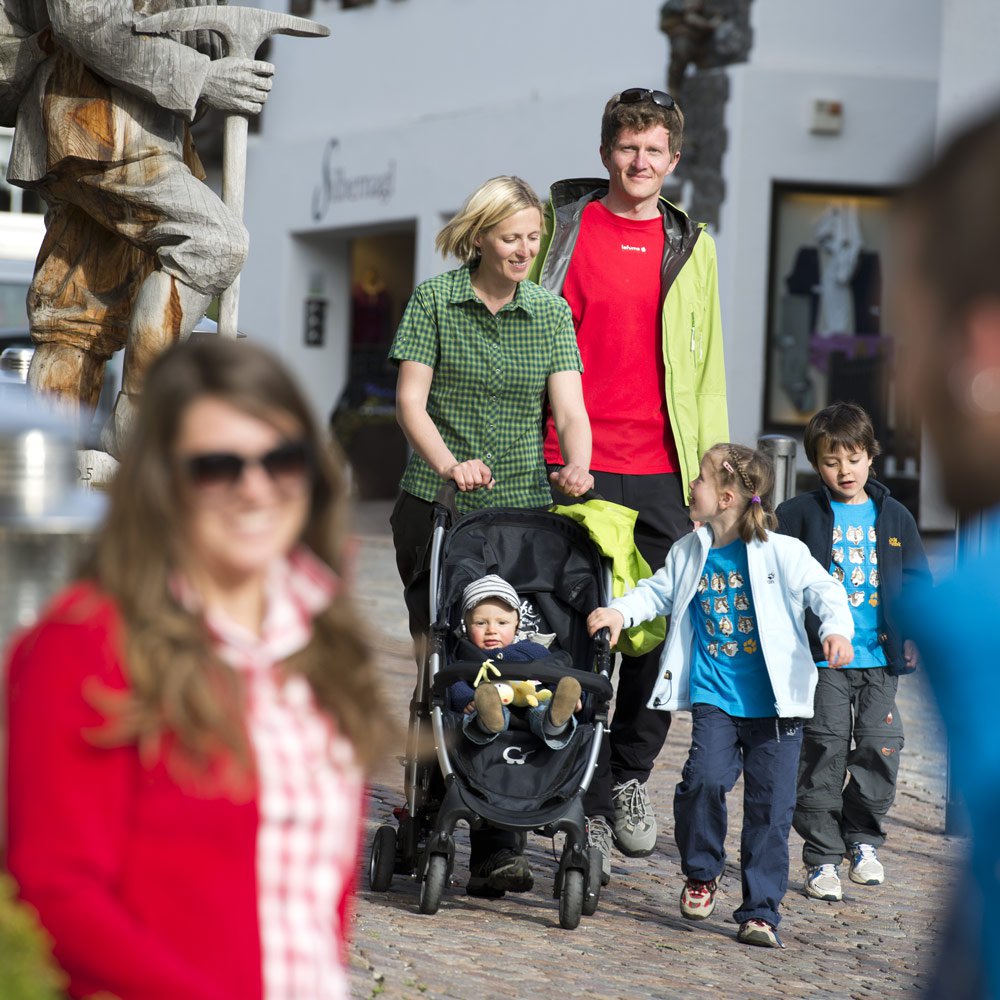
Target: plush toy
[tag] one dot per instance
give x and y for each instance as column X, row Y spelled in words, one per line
column 519, row 694
column 527, row 694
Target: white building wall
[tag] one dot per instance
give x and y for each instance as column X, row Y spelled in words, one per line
column 427, row 99
column 880, row 61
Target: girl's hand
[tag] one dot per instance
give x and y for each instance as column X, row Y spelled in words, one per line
column 837, row 650
column 606, row 618
column 911, row 655
column 469, row 709
column 471, row 475
column 573, row 480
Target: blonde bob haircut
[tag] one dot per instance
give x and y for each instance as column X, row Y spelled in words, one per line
column 492, row 202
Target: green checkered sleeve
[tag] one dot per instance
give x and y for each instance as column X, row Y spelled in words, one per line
column 417, row 337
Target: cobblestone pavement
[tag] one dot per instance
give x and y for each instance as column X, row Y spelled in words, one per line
column 877, row 943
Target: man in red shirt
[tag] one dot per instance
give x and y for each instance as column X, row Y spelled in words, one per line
column 641, row 281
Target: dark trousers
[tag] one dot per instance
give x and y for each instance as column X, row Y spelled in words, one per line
column 637, row 732
column 858, row 704
column 767, row 753
column 411, row 534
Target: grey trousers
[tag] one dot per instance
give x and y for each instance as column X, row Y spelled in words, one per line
column 856, row 705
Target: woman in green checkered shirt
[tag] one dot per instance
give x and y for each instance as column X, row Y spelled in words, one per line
column 480, row 349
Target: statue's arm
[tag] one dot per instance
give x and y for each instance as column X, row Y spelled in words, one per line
column 156, row 68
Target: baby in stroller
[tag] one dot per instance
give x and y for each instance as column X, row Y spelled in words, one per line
column 491, row 614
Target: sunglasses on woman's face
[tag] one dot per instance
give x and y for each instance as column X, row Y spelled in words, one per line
column 287, row 465
column 636, row 94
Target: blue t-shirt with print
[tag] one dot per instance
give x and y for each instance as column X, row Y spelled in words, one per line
column 855, row 568
column 727, row 665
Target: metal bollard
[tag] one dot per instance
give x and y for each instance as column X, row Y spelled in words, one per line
column 781, row 450
column 46, row 517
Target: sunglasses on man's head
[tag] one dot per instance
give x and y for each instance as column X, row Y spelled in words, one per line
column 636, row 94
column 287, row 465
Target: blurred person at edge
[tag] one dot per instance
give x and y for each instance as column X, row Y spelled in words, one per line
column 479, row 348
column 189, row 724
column 946, row 301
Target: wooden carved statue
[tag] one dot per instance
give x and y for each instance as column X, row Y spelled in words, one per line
column 136, row 244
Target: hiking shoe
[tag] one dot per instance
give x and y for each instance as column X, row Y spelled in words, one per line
column 823, row 882
column 866, row 869
column 599, row 835
column 502, row 872
column 698, row 898
column 489, row 708
column 635, row 824
column 563, row 703
column 759, row 932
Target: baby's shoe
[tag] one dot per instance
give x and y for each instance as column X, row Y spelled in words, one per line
column 563, row 703
column 489, row 708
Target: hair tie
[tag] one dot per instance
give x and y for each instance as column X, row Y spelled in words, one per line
column 755, row 499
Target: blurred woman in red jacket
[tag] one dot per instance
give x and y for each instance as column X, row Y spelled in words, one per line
column 188, row 730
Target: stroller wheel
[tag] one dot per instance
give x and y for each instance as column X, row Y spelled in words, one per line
column 571, row 899
column 383, row 859
column 592, row 893
column 432, row 887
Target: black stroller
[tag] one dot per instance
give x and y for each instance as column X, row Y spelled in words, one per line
column 515, row 782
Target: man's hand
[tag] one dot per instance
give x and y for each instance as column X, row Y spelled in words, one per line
column 471, row 475
column 572, row 480
column 838, row 650
column 606, row 618
column 237, row 85
column 911, row 654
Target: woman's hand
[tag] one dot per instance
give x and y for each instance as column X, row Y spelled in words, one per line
column 572, row 480
column 911, row 654
column 837, row 650
column 607, row 618
column 471, row 475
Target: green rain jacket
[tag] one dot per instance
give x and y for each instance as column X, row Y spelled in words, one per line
column 692, row 327
column 611, row 528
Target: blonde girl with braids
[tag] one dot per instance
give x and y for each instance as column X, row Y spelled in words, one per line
column 190, row 723
column 738, row 659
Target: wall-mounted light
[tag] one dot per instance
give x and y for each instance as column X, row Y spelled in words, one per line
column 827, row 117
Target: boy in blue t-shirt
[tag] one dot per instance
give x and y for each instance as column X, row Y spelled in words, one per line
column 872, row 547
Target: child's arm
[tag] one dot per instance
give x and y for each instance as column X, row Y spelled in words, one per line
column 609, row 618
column 916, row 573
column 824, row 596
column 648, row 599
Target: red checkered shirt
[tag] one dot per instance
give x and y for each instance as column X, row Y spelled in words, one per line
column 310, row 790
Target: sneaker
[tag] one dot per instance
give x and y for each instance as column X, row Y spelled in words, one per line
column 823, row 882
column 489, row 708
column 866, row 869
column 599, row 835
column 698, row 898
column 502, row 872
column 635, row 824
column 758, row 932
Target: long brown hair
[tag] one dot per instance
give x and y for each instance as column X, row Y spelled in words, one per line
column 179, row 688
